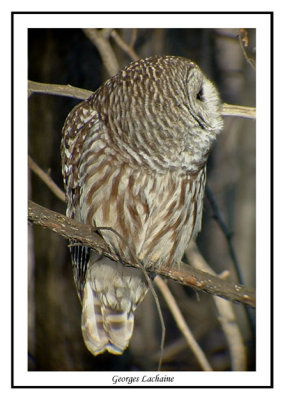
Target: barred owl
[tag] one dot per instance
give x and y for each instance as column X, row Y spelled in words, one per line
column 134, row 159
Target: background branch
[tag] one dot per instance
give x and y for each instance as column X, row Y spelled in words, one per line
column 226, row 315
column 243, row 40
column 124, row 46
column 228, row 235
column 184, row 329
column 98, row 38
column 46, row 179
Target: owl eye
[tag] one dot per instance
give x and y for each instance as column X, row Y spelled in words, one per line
column 199, row 95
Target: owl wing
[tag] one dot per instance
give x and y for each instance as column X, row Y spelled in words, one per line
column 74, row 132
column 78, row 125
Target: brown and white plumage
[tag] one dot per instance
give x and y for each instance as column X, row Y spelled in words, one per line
column 134, row 159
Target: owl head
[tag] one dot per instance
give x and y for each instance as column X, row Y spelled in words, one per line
column 161, row 110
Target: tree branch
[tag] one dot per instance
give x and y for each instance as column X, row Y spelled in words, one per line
column 228, row 235
column 124, row 46
column 231, row 110
column 181, row 323
column 184, row 273
column 243, row 41
column 58, row 90
column 46, row 179
column 228, row 110
column 98, row 38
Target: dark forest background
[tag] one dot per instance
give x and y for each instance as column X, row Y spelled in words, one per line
column 67, row 56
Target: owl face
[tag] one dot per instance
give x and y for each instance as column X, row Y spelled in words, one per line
column 203, row 121
column 162, row 111
column 204, row 102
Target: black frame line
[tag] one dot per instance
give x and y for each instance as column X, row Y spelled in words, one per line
column 271, row 13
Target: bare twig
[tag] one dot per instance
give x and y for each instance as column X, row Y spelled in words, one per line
column 124, row 46
column 184, row 273
column 226, row 232
column 243, row 41
column 58, row 90
column 46, row 179
column 231, row 110
column 181, row 323
column 134, row 37
column 104, row 48
column 171, row 350
column 226, row 313
column 105, row 32
column 224, row 33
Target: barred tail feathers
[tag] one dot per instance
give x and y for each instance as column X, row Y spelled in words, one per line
column 110, row 297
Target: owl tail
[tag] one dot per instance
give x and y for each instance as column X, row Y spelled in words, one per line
column 103, row 328
column 111, row 294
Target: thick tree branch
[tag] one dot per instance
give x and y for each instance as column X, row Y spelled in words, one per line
column 184, row 273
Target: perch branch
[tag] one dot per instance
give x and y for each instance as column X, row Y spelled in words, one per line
column 184, row 273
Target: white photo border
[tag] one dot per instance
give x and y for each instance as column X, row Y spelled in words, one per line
column 262, row 22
